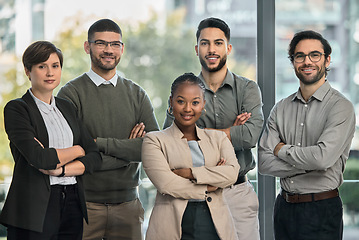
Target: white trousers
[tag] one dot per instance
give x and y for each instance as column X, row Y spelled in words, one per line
column 243, row 204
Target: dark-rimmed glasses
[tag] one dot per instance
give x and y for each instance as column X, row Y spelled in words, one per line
column 103, row 44
column 314, row 56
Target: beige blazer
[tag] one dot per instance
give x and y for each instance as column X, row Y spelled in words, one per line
column 166, row 150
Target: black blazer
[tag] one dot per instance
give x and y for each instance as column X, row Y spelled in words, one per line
column 29, row 193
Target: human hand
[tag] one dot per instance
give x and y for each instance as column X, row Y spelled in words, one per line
column 277, row 148
column 39, row 142
column 242, row 119
column 184, row 172
column 211, row 188
column 221, row 162
column 54, row 172
column 138, row 131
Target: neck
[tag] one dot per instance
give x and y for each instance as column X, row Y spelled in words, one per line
column 214, row 79
column 189, row 132
column 308, row 90
column 105, row 74
column 43, row 96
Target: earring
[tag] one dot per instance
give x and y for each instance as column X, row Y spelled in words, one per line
column 170, row 110
column 204, row 111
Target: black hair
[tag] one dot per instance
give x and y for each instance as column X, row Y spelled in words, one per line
column 187, row 78
column 214, row 23
column 309, row 34
column 103, row 25
column 39, row 52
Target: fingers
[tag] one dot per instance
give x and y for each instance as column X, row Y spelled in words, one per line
column 221, row 162
column 242, row 118
column 39, row 142
column 138, row 131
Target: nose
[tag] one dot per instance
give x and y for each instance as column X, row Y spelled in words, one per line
column 211, row 48
column 49, row 72
column 307, row 60
column 108, row 48
column 187, row 107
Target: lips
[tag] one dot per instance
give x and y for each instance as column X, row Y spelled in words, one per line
column 212, row 58
column 187, row 117
column 50, row 81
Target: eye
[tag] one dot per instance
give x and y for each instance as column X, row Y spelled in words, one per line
column 195, row 103
column 219, row 43
column 42, row 66
column 180, row 101
column 56, row 66
column 204, row 43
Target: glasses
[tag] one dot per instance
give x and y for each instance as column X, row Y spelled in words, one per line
column 103, row 44
column 314, row 56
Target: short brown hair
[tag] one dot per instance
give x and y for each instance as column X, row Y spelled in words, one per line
column 39, row 52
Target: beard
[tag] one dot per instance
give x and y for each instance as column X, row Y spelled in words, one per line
column 221, row 63
column 97, row 61
column 313, row 79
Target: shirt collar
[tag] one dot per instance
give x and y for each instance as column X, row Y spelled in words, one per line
column 228, row 80
column 178, row 134
column 98, row 80
column 44, row 107
column 319, row 94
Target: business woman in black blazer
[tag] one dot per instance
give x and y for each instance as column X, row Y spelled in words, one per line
column 46, row 196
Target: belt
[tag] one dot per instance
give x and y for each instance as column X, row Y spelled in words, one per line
column 310, row 197
column 241, row 179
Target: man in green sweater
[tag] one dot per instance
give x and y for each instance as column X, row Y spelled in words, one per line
column 118, row 113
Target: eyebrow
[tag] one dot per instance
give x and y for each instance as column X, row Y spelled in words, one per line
column 179, row 96
column 216, row 40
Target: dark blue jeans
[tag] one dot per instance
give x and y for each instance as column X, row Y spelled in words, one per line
column 197, row 223
column 63, row 220
column 320, row 220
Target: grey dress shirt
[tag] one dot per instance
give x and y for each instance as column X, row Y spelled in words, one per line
column 317, row 134
column 236, row 95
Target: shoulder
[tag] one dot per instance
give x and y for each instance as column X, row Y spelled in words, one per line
column 214, row 134
column 77, row 82
column 340, row 101
column 243, row 81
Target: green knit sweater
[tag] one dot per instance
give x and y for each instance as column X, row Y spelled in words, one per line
column 109, row 114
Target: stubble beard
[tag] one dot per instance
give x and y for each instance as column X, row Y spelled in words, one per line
column 221, row 64
column 309, row 81
column 97, row 62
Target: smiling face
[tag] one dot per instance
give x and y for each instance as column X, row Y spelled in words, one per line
column 45, row 76
column 212, row 49
column 187, row 103
column 104, row 59
column 309, row 72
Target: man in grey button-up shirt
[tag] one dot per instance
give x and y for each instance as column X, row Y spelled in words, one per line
column 233, row 105
column 306, row 143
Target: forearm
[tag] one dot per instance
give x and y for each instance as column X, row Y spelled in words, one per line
column 67, row 155
column 126, row 149
column 110, row 163
column 74, row 168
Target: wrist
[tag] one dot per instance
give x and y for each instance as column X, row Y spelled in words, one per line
column 63, row 171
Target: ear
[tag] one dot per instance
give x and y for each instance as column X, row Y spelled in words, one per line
column 87, row 47
column 229, row 49
column 27, row 72
column 196, row 49
column 327, row 61
column 170, row 101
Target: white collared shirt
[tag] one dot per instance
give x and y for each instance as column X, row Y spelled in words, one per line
column 98, row 80
column 59, row 132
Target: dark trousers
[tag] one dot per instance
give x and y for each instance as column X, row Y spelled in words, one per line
column 320, row 220
column 63, row 220
column 197, row 222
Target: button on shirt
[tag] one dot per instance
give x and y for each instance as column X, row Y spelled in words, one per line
column 59, row 132
column 317, row 134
